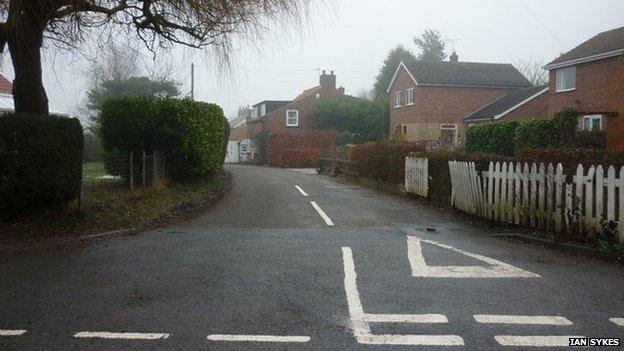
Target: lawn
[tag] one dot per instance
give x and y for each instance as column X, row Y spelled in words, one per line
column 93, row 170
column 109, row 205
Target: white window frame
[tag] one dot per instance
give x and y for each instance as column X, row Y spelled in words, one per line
column 409, row 97
column 591, row 119
column 397, row 99
column 296, row 124
column 561, row 85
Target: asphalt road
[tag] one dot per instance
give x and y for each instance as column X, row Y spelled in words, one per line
column 265, row 270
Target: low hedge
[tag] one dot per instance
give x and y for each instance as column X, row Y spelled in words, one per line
column 299, row 149
column 383, row 161
column 41, row 162
column 191, row 134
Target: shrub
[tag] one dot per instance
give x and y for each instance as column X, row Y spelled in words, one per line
column 191, row 134
column 592, row 139
column 492, row 138
column 299, row 148
column 571, row 158
column 41, row 162
column 383, row 161
column 535, row 134
column 565, row 124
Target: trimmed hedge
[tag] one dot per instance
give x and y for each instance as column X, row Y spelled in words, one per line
column 298, row 149
column 40, row 162
column 534, row 134
column 492, row 138
column 382, row 161
column 191, row 134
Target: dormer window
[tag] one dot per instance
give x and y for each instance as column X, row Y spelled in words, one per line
column 397, row 99
column 565, row 79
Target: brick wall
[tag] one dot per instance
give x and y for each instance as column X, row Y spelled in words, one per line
column 536, row 108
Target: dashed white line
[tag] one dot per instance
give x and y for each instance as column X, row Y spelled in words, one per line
column 537, row 320
column 535, row 340
column 301, row 190
column 320, row 211
column 128, row 336
column 405, row 318
column 618, row 321
column 12, row 332
column 426, row 340
column 258, row 338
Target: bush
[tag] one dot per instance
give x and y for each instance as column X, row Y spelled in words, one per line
column 41, row 159
column 191, row 134
column 592, row 139
column 565, row 125
column 492, row 138
column 535, row 134
column 383, row 161
column 299, row 148
column 571, row 158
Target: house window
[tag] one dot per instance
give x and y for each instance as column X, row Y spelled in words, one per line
column 565, row 79
column 397, row 99
column 404, row 128
column 409, row 97
column 592, row 122
column 292, row 118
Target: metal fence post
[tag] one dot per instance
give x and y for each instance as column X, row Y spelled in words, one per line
column 154, row 165
column 131, row 170
column 143, row 169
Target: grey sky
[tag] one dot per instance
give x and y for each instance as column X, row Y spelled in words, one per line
column 352, row 37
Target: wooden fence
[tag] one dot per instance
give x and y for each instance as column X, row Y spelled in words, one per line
column 539, row 196
column 417, row 176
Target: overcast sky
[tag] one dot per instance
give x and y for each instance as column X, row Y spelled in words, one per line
column 352, row 37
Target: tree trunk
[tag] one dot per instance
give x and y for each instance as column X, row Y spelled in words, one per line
column 25, row 47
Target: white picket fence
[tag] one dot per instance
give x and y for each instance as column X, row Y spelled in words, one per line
column 540, row 196
column 417, row 176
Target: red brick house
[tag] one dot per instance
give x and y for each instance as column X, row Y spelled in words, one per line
column 590, row 79
column 429, row 100
column 515, row 105
column 271, row 117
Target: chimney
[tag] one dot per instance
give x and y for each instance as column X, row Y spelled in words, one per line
column 328, row 82
column 454, row 58
column 341, row 91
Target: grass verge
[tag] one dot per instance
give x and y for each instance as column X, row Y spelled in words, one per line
column 107, row 205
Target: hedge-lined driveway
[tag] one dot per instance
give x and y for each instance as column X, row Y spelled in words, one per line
column 295, row 261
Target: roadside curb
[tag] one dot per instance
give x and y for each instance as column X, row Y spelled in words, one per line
column 569, row 248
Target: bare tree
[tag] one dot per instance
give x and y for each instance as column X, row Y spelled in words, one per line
column 532, row 70
column 25, row 25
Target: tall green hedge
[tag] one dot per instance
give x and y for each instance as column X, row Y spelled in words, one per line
column 492, row 138
column 40, row 162
column 535, row 134
column 190, row 133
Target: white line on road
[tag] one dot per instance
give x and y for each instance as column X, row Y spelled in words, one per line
column 405, row 318
column 541, row 320
column 301, row 190
column 535, row 340
column 129, row 336
column 359, row 319
column 496, row 268
column 618, row 321
column 12, row 332
column 258, row 338
column 320, row 211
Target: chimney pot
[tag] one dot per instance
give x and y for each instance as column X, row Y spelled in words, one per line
column 332, row 73
column 454, row 58
column 323, row 72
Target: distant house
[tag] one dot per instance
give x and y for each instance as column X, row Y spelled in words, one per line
column 273, row 116
column 7, row 105
column 590, row 79
column 429, row 100
column 515, row 105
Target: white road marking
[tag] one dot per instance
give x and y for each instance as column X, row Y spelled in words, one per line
column 301, row 190
column 12, row 332
column 405, row 318
column 320, row 211
column 540, row 320
column 359, row 319
column 129, row 336
column 496, row 268
column 258, row 338
column 535, row 340
column 618, row 321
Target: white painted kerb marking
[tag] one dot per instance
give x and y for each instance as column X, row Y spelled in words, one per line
column 359, row 319
column 496, row 269
column 13, row 332
column 535, row 340
column 536, row 320
column 301, row 190
column 127, row 336
column 258, row 338
column 618, row 321
column 320, row 211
